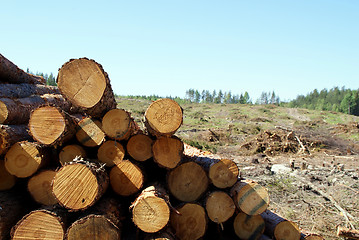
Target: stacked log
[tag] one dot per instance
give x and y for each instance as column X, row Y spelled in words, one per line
column 91, row 172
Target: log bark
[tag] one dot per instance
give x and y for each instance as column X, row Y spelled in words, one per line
column 190, row 223
column 10, row 73
column 39, row 187
column 150, row 210
column 280, row 228
column 89, row 132
column 126, row 178
column 11, row 134
column 163, row 117
column 7, row 181
column 39, row 224
column 219, row 206
column 111, row 153
column 118, row 124
column 51, row 126
column 250, row 197
column 79, row 184
column 70, row 152
column 17, row 111
column 248, row 227
column 85, row 84
column 347, row 233
column 187, row 182
column 24, row 90
column 139, row 147
column 24, row 159
column 167, row 151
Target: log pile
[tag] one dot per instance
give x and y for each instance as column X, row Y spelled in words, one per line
column 89, row 172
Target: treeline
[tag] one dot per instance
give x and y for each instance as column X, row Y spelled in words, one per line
column 50, row 79
column 205, row 96
column 336, row 99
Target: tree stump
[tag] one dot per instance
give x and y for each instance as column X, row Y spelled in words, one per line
column 11, row 134
column 90, row 133
column 118, row 124
column 79, row 184
column 7, row 181
column 139, row 147
column 86, row 85
column 248, row 227
column 219, row 206
column 111, row 153
column 163, row 117
column 167, row 151
column 126, row 178
column 39, row 186
column 150, row 210
column 250, row 197
column 190, row 223
column 70, row 152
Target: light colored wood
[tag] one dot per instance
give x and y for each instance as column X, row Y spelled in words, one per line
column 24, row 158
column 139, row 147
column 11, row 134
column 163, row 117
column 190, row 223
column 279, row 227
column 187, row 182
column 126, row 178
column 24, row 90
column 70, row 152
column 90, row 132
column 79, row 184
column 167, row 151
column 85, row 84
column 250, row 197
column 111, row 153
column 7, row 181
column 248, row 227
column 317, row 237
column 39, row 225
column 117, row 124
column 93, row 227
column 150, row 211
column 40, row 188
column 219, row 206
column 347, row 233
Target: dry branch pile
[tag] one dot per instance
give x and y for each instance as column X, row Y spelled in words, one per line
column 73, row 166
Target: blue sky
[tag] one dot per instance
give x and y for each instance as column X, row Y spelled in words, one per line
column 168, row 47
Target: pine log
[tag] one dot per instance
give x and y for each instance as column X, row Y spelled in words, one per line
column 319, row 237
column 126, row 178
column 11, row 134
column 219, row 206
column 347, row 233
column 111, row 153
column 24, row 90
column 167, row 151
column 165, row 234
column 223, row 173
column 118, row 124
column 150, row 210
column 163, row 117
column 24, row 159
column 17, row 111
column 39, row 186
column 51, row 126
column 190, row 221
column 70, row 152
column 12, row 208
column 86, row 85
column 90, row 133
column 248, row 227
column 79, row 184
column 10, row 73
column 93, row 227
column 280, row 228
column 187, row 182
column 250, row 197
column 139, row 147
column 40, row 225
column 7, row 181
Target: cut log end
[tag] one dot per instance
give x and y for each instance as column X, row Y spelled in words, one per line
column 117, row 124
column 224, row 173
column 167, row 151
column 111, row 153
column 70, row 152
column 39, row 225
column 93, row 227
column 190, row 223
column 139, row 147
column 248, row 227
column 220, row 206
column 90, row 132
column 163, row 117
column 287, row 230
column 40, row 188
column 7, row 181
column 318, row 237
column 3, row 112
